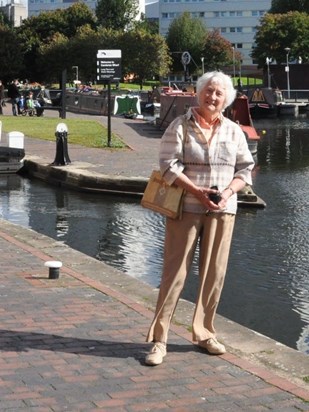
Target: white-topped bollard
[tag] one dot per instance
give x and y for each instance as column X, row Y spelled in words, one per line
column 62, row 155
column 54, row 268
column 16, row 140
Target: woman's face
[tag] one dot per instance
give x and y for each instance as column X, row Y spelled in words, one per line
column 212, row 98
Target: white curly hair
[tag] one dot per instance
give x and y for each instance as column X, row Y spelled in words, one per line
column 217, row 77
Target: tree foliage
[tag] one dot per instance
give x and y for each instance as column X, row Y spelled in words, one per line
column 145, row 55
column 148, row 25
column 279, row 31
column 36, row 31
column 186, row 33
column 53, row 58
column 63, row 38
column 11, row 54
column 116, row 14
column 218, row 52
column 190, row 34
column 284, row 6
column 4, row 20
column 64, row 21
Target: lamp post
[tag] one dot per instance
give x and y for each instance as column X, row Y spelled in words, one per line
column 268, row 61
column 203, row 69
column 76, row 68
column 287, row 69
column 233, row 48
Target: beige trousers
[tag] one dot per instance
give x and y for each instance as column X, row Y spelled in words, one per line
column 214, row 234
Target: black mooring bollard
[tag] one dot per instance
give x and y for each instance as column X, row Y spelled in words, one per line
column 54, row 268
column 62, row 155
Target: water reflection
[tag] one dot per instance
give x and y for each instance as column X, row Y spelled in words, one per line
column 267, row 286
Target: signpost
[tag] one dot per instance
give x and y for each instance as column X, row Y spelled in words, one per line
column 185, row 60
column 108, row 71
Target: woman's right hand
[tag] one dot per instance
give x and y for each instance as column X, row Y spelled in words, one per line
column 202, row 194
column 203, row 197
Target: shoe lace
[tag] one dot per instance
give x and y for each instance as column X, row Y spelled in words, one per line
column 157, row 347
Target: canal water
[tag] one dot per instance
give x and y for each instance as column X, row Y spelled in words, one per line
column 267, row 284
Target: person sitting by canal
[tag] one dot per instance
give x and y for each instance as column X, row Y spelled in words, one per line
column 199, row 150
column 32, row 105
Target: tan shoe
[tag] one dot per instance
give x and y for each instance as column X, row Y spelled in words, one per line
column 156, row 354
column 213, row 346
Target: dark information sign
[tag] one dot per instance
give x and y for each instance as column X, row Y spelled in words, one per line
column 109, row 65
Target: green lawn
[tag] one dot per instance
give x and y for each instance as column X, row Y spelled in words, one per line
column 87, row 133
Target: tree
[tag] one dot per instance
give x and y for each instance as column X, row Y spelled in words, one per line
column 186, row 34
column 64, row 21
column 278, row 31
column 84, row 46
column 116, row 14
column 218, row 51
column 145, row 55
column 42, row 29
column 11, row 54
column 284, row 6
column 148, row 25
column 77, row 16
column 4, row 20
column 53, row 58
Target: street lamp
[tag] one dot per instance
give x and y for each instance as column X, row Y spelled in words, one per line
column 233, row 65
column 287, row 69
column 203, row 70
column 268, row 61
column 76, row 68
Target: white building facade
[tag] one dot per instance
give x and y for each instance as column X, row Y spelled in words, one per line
column 37, row 6
column 15, row 11
column 235, row 19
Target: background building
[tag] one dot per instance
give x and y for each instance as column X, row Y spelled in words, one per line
column 37, row 6
column 236, row 19
column 16, row 12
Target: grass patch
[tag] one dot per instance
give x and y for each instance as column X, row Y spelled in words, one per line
column 88, row 133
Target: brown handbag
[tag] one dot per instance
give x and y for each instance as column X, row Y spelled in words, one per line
column 161, row 197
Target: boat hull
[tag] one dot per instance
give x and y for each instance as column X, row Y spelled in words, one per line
column 11, row 159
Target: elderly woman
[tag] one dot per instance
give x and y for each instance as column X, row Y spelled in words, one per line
column 199, row 151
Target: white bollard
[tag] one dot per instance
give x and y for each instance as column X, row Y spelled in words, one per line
column 16, row 140
column 54, row 268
